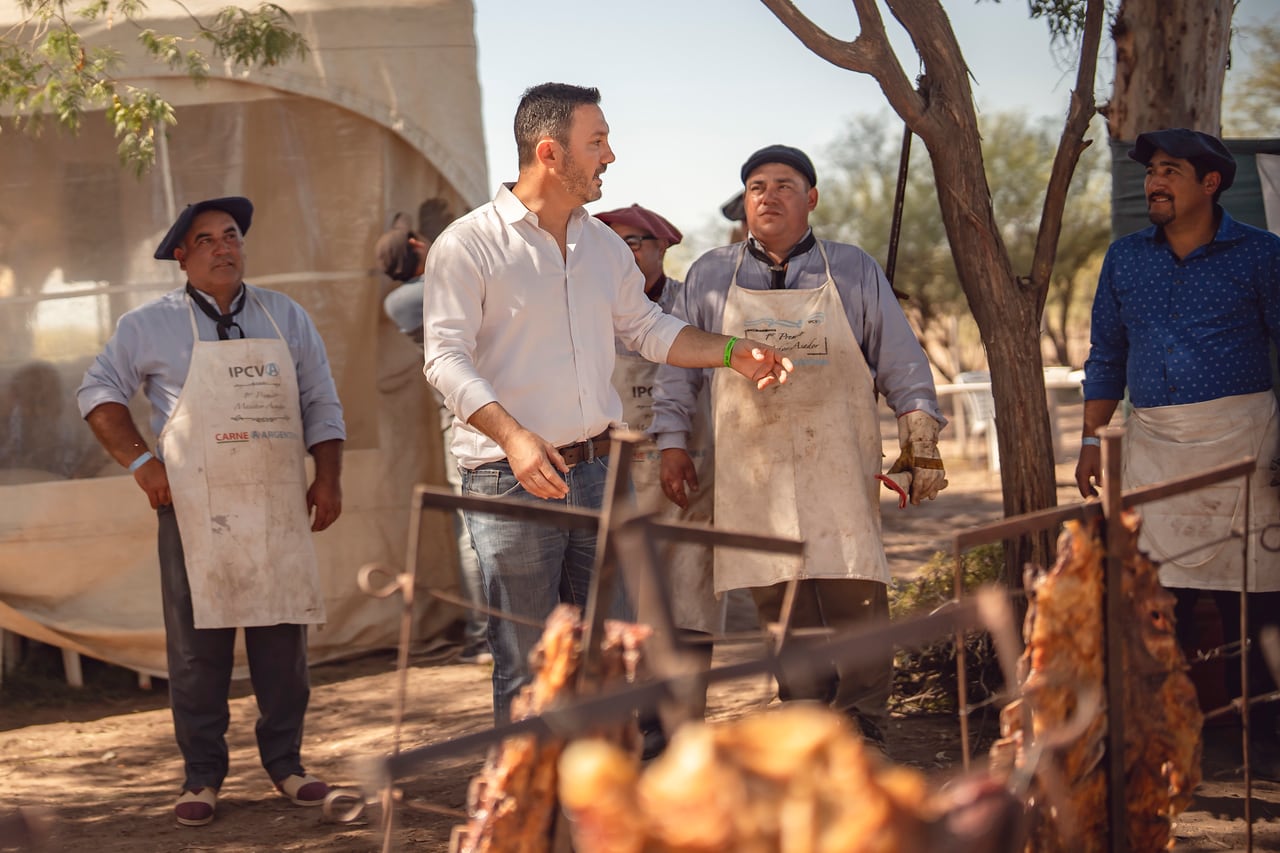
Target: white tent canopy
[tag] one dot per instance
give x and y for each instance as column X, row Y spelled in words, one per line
column 382, row 116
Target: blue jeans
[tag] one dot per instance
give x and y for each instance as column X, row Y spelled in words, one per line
column 530, row 567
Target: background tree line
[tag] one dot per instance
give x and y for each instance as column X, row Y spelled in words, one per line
column 856, row 205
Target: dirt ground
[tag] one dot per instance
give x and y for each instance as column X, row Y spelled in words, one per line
column 109, row 773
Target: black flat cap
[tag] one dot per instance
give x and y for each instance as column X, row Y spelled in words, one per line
column 1201, row 149
column 785, row 154
column 237, row 207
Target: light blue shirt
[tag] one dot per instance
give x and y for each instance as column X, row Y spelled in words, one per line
column 898, row 364
column 151, row 349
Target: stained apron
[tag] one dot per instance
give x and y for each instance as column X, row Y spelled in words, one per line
column 234, row 453
column 798, row 460
column 1186, row 533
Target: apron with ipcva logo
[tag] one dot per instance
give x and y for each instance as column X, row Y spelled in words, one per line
column 234, row 453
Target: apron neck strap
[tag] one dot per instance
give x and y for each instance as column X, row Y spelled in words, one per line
column 226, row 322
column 778, row 271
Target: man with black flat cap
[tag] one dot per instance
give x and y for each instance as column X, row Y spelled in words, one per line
column 240, row 389
column 829, row 306
column 1183, row 317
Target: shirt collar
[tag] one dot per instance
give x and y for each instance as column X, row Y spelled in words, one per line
column 757, row 251
column 512, row 209
column 209, row 300
column 1229, row 230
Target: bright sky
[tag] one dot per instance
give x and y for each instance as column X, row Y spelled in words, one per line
column 691, row 87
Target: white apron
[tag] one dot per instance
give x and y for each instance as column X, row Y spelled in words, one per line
column 234, row 453
column 693, row 603
column 798, row 460
column 1165, row 442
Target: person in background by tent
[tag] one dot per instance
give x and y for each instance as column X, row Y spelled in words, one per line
column 1183, row 317
column 402, row 254
column 240, row 390
column 830, row 307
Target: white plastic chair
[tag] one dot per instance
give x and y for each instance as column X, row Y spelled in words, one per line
column 980, row 411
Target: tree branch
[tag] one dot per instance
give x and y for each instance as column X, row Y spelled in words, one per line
column 1069, row 149
column 870, row 53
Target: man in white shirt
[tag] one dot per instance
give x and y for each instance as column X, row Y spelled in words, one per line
column 525, row 296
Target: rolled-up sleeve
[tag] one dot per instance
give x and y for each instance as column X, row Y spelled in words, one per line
column 638, row 321
column 114, row 376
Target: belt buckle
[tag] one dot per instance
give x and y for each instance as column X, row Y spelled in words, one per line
column 589, row 450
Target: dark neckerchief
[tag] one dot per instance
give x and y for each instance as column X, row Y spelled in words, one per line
column 655, row 292
column 778, row 272
column 226, row 322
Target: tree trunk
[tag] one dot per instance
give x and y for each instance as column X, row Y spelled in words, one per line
column 1008, row 320
column 939, row 109
column 1171, row 63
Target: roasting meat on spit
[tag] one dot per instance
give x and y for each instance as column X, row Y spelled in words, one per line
column 1063, row 665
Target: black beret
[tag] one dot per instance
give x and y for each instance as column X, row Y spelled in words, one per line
column 785, row 154
column 1201, row 149
column 735, row 209
column 237, row 207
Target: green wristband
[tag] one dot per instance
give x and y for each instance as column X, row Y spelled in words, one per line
column 728, row 350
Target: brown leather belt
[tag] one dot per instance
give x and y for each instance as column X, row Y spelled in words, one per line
column 584, row 451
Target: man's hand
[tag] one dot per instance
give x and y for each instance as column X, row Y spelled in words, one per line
column 676, row 470
column 918, row 437
column 762, row 364
column 1089, row 470
column 537, row 465
column 325, row 497
column 153, row 479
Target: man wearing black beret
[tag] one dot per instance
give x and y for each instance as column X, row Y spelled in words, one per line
column 831, row 308
column 240, row 391
column 1183, row 318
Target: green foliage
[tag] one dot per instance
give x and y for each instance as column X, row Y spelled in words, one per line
column 925, row 680
column 265, row 36
column 1065, row 18
column 49, row 71
column 934, row 584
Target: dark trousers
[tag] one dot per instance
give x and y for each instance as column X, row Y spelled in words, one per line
column 200, row 662
column 838, row 604
column 1264, row 609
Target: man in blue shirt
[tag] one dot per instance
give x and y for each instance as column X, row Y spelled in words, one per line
column 1183, row 317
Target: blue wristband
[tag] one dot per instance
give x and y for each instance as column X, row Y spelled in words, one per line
column 1090, row 441
column 140, row 461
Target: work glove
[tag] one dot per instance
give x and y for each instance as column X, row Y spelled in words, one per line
column 918, row 438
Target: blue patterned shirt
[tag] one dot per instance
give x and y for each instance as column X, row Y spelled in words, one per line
column 1185, row 331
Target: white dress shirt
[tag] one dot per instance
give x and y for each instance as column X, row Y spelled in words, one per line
column 506, row 318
